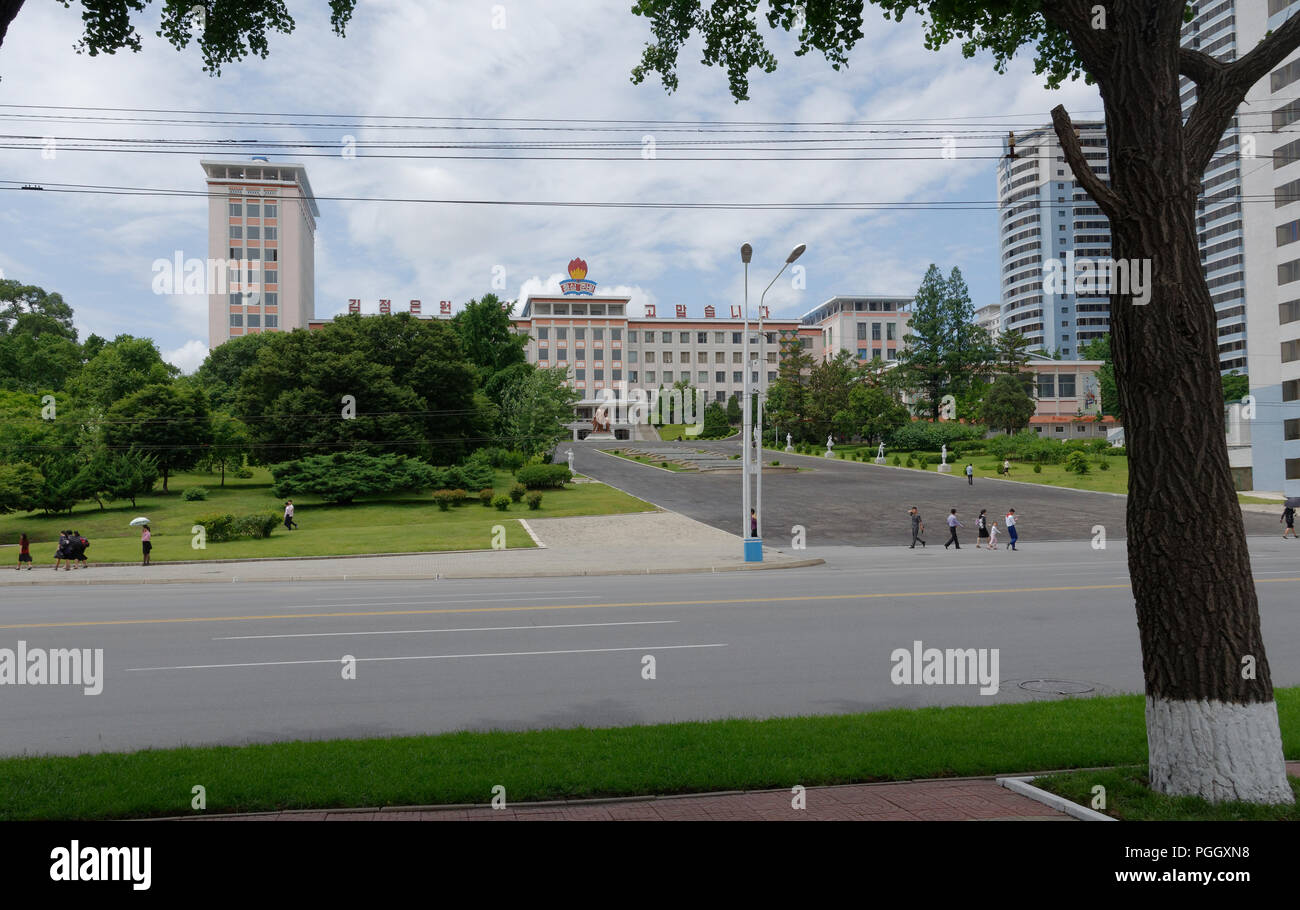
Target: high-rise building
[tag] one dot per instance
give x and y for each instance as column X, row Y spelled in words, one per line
column 1046, row 216
column 1249, row 223
column 989, row 318
column 262, row 241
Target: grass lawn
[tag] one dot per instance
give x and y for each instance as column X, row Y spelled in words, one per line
column 577, row 763
column 1128, row 798
column 642, row 459
column 402, row 524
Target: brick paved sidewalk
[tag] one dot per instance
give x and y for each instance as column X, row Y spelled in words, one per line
column 931, row 800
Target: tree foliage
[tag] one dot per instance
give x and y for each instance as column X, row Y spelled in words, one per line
column 345, row 476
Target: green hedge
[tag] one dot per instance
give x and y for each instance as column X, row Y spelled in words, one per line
column 920, row 435
column 223, row 526
column 544, row 476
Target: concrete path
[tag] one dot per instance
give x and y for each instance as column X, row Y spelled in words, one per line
column 636, row 544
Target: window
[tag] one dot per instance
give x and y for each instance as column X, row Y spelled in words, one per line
column 270, row 210
column 735, row 338
column 272, row 321
column 719, row 357
column 254, row 210
column 1288, row 312
column 1293, row 469
column 668, row 375
column 631, row 376
column 891, row 354
column 1060, row 429
column 272, row 254
column 254, row 320
column 890, row 329
column 862, row 331
column 543, row 333
column 736, row 377
column 1081, row 428
column 543, row 354
column 561, row 333
column 649, row 356
column 1065, row 385
column 650, row 377
column 1288, row 272
column 579, row 334
column 631, row 336
column 1291, row 390
column 683, row 337
column 617, row 354
column 719, row 337
column 1290, row 351
column 735, row 356
column 271, row 298
column 875, row 353
column 666, row 357
column 719, row 396
column 701, row 337
column 632, row 355
column 597, row 334
column 579, row 374
column 1291, row 429
column 598, row 373
column 702, row 376
column 720, row 376
column 236, row 252
column 1046, row 386
column 649, row 337
column 253, row 252
column 1288, row 233
column 561, row 353
column 254, row 232
column 686, row 357
column 617, row 374
column 237, row 319
column 875, row 331
column 271, row 233
column 236, row 232
column 236, row 299
column 615, row 334
column 236, row 209
column 771, row 377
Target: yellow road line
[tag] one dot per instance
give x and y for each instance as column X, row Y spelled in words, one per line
column 659, row 603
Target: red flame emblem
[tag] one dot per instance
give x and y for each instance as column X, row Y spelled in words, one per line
column 577, row 269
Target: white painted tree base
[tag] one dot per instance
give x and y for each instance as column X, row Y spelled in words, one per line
column 1217, row 750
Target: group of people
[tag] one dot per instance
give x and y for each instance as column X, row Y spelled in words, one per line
column 70, row 554
column 987, row 530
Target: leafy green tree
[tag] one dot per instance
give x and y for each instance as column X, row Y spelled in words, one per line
column 345, row 476
column 130, row 475
column 38, row 344
column 1010, row 351
column 62, row 483
column 715, row 421
column 487, row 335
column 1008, row 404
column 827, row 409
column 1212, row 730
column 27, row 308
column 923, row 363
column 169, row 422
column 220, row 371
column 20, row 485
column 536, row 408
column 228, row 31
column 1236, row 386
column 124, row 366
column 875, row 412
column 733, row 408
column 230, row 444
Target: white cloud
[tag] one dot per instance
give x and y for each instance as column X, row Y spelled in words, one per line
column 189, row 356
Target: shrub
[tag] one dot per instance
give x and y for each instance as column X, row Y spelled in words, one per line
column 911, row 460
column 1077, row 462
column 776, row 464
column 1098, row 445
column 534, row 501
column 517, row 492
column 244, row 472
column 344, row 476
column 444, row 499
column 258, row 526
column 1104, row 465
column 1038, row 469
column 544, row 476
column 194, row 494
column 897, row 461
column 512, row 461
column 218, row 526
column 485, row 496
column 458, row 496
column 924, row 461
column 1117, row 450
column 501, row 501
column 922, row 434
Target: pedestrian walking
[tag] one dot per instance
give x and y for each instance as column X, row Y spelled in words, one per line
column 75, row 553
column 61, row 552
column 953, row 525
column 82, row 545
column 1011, row 528
column 1006, row 466
column 1288, row 519
column 918, row 528
column 146, row 543
column 24, row 553
column 970, row 474
column 753, row 523
column 982, row 524
column 993, row 536
column 289, row 523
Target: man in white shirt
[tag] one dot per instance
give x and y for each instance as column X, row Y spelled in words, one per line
column 953, row 525
column 289, row 523
column 1011, row 528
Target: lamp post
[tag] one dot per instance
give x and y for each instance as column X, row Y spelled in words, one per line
column 746, row 253
column 762, row 381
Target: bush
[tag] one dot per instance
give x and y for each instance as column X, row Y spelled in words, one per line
column 897, row 461
column 485, row 496
column 1077, row 462
column 1098, row 445
column 776, row 464
column 258, row 526
column 1117, row 450
column 1038, row 469
column 924, row 435
column 517, row 492
column 911, row 460
column 501, row 501
column 544, row 476
column 534, row 501
column 458, row 497
column 924, row 461
column 512, row 461
column 1104, row 465
column 344, row 476
column 218, row 526
column 244, row 472
column 195, row 494
column 444, row 499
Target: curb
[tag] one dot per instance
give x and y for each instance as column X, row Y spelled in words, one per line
column 428, row 576
column 1022, row 786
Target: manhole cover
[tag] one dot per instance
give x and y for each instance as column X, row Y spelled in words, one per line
column 1057, row 686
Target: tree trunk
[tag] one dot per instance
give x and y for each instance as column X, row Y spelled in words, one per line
column 165, row 472
column 1212, row 727
column 8, row 10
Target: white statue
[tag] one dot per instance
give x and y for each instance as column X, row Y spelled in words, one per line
column 788, row 446
column 880, row 450
column 570, row 455
column 943, row 453
column 830, row 444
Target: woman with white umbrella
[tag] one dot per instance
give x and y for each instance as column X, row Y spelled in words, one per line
column 146, row 543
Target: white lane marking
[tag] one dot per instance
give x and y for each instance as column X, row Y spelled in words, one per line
column 335, row 660
column 535, row 538
column 573, row 625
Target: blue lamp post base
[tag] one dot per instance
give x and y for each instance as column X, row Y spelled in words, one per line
column 753, row 549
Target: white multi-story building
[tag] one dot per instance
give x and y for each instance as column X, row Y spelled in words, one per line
column 1043, row 215
column 989, row 318
column 868, row 327
column 1249, row 222
column 262, row 226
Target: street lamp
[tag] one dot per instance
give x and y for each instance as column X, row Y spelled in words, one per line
column 762, row 382
column 746, row 253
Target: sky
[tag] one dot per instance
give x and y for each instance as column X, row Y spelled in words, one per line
column 552, row 63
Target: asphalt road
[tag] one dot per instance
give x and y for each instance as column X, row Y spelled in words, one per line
column 207, row 664
column 856, row 504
